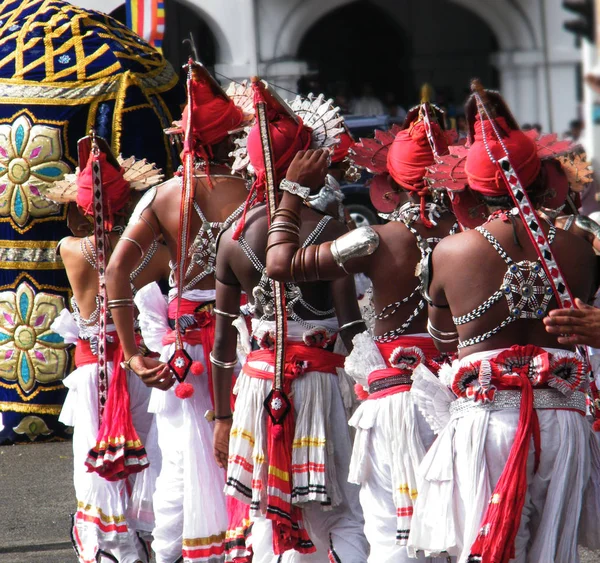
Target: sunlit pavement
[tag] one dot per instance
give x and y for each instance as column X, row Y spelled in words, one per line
column 37, row 498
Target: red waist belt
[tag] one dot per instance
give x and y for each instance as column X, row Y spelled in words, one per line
column 201, row 331
column 402, row 355
column 84, row 355
column 299, row 359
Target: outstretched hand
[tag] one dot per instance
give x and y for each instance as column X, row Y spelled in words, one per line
column 309, row 169
column 579, row 326
column 152, row 372
column 221, row 442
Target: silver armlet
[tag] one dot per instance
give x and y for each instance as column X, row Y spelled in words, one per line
column 220, row 364
column 351, row 324
column 145, row 202
column 439, row 334
column 355, row 244
column 587, row 224
column 226, row 314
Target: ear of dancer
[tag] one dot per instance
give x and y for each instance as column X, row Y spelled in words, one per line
column 136, row 240
column 286, row 261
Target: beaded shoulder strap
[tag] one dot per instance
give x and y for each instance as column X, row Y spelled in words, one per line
column 526, row 212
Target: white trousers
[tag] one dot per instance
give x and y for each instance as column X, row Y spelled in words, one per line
column 189, row 502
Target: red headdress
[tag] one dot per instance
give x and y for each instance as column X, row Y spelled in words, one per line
column 115, row 189
column 418, row 145
column 288, row 136
column 214, row 114
column 471, row 169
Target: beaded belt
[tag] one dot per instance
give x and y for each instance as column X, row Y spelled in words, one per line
column 542, row 399
column 387, row 382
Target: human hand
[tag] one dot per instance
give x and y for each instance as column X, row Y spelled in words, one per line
column 221, row 441
column 579, row 326
column 309, row 169
column 152, row 372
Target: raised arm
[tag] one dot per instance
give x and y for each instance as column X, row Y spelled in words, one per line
column 131, row 248
column 286, row 260
column 224, row 353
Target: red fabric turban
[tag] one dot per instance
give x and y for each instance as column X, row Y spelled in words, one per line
column 213, row 116
column 483, row 175
column 340, row 151
column 115, row 189
column 287, row 138
column 410, row 154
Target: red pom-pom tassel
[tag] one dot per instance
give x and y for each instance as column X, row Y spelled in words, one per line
column 197, row 368
column 360, row 392
column 184, row 391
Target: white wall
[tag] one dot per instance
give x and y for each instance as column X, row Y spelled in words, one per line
column 523, row 63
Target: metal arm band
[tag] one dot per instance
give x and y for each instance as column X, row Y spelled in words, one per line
column 139, row 247
column 284, row 227
column 288, row 213
column 226, row 314
column 587, row 224
column 223, row 365
column 431, row 329
column 350, row 324
column 114, row 303
column 149, row 226
column 355, row 244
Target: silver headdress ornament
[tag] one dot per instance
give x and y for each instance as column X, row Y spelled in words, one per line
column 322, row 117
column 243, row 97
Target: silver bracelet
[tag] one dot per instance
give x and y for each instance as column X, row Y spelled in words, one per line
column 351, row 323
column 225, row 313
column 220, row 364
column 431, row 329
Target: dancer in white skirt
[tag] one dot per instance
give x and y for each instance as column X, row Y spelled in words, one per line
column 508, row 478
column 188, row 211
column 391, row 437
column 289, row 481
column 101, row 529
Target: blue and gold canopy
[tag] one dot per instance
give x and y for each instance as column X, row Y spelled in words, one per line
column 63, row 70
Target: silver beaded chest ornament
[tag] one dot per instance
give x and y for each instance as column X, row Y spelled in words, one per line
column 526, row 210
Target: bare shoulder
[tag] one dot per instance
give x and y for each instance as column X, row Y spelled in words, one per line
column 463, row 243
column 166, row 190
column 68, row 247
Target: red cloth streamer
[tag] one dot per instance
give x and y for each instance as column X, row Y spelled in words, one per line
column 239, row 529
column 287, row 138
column 496, row 540
column 483, row 174
column 118, row 452
column 286, row 519
column 411, row 154
column 115, row 189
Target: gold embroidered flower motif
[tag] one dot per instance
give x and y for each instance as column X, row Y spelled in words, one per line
column 30, row 160
column 32, row 427
column 29, row 351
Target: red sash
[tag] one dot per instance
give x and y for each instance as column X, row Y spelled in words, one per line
column 428, row 352
column 84, row 355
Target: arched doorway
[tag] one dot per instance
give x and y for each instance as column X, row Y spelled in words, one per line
column 180, row 21
column 350, row 48
column 398, row 45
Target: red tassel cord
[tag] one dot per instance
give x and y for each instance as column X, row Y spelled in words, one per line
column 118, row 452
column 496, row 540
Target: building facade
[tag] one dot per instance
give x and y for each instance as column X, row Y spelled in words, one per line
column 519, row 46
